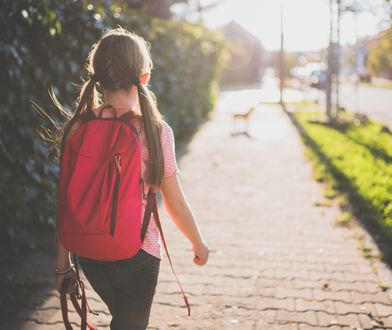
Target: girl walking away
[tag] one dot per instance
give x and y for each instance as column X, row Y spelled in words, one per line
column 116, row 152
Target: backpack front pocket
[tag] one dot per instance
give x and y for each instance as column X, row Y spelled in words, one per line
column 87, row 196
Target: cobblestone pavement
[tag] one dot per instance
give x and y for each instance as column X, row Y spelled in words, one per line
column 277, row 260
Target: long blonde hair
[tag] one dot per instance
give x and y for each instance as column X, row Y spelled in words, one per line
column 114, row 61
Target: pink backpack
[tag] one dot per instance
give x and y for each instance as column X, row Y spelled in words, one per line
column 100, row 189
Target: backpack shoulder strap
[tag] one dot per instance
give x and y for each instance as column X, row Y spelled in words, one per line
column 127, row 117
column 130, row 118
column 87, row 115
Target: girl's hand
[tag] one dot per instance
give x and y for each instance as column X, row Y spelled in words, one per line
column 61, row 278
column 201, row 254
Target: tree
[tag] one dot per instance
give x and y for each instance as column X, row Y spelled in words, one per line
column 44, row 45
column 338, row 8
column 380, row 8
column 380, row 56
column 154, row 8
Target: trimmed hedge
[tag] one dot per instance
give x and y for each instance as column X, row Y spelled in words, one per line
column 44, row 44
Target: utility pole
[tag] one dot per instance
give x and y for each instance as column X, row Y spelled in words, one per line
column 281, row 55
column 329, row 65
column 198, row 9
column 339, row 9
column 356, row 52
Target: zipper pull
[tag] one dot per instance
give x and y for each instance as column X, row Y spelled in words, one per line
column 117, row 158
column 142, row 186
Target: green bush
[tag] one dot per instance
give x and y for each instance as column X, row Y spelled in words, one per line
column 358, row 159
column 44, row 44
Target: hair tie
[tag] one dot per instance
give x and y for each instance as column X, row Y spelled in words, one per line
column 135, row 80
column 94, row 78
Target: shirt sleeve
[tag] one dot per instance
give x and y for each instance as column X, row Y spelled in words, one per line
column 168, row 150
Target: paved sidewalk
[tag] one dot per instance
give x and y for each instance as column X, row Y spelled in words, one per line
column 277, row 261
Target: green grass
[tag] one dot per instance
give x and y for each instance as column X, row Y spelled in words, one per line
column 387, row 85
column 293, row 103
column 343, row 219
column 383, row 286
column 354, row 161
column 323, row 203
column 366, row 250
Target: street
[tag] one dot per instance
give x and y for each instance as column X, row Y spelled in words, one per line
column 375, row 102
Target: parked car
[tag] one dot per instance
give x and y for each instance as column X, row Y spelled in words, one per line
column 312, row 74
column 318, row 79
column 363, row 75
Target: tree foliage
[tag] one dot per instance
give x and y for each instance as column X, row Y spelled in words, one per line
column 45, row 44
column 154, row 8
column 380, row 56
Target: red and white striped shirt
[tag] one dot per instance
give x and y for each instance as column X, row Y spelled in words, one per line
column 151, row 243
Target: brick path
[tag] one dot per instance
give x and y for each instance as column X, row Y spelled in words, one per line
column 277, row 261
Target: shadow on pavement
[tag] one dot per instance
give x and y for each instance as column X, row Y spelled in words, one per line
column 361, row 210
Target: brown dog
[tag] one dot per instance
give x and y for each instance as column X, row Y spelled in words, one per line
column 244, row 117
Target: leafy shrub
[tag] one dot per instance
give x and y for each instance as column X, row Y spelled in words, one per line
column 44, row 44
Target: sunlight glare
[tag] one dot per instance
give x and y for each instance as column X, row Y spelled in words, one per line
column 305, row 22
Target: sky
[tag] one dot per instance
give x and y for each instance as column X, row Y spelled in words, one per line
column 306, row 22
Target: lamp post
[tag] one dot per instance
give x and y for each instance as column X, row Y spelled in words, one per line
column 329, row 65
column 339, row 10
column 281, row 55
column 356, row 51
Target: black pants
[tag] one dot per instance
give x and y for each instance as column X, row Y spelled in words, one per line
column 127, row 287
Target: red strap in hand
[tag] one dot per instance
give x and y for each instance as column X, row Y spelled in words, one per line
column 71, row 284
column 152, row 207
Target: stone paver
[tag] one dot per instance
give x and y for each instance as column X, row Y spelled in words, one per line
column 277, row 261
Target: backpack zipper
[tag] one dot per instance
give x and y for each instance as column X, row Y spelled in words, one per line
column 141, row 182
column 117, row 159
